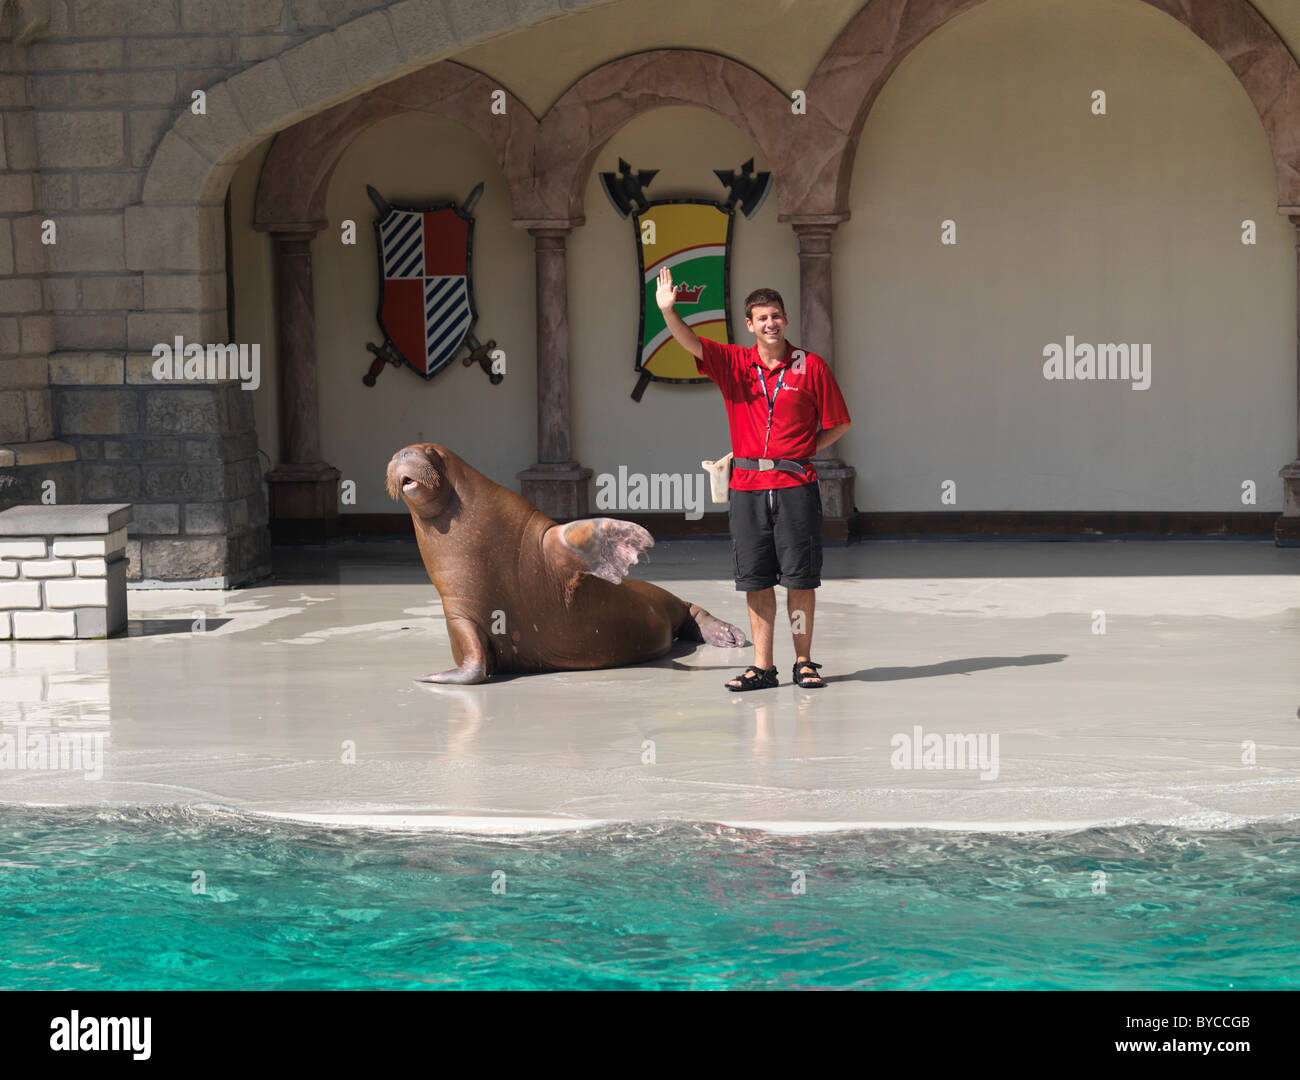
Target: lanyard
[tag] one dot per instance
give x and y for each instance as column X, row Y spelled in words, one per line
column 771, row 401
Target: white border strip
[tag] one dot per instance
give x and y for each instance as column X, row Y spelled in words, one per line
column 518, row 825
column 654, row 344
column 701, row 252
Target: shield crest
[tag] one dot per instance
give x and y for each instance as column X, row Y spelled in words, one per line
column 693, row 238
column 426, row 294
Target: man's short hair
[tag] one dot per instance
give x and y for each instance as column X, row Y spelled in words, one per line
column 762, row 298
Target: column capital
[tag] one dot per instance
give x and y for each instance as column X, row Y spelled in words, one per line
column 556, row 228
column 550, row 242
column 813, row 239
column 814, row 236
column 292, row 245
column 825, row 221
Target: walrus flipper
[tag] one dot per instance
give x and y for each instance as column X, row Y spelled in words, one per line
column 469, row 648
column 603, row 547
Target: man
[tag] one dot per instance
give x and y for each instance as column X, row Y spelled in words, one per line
column 783, row 406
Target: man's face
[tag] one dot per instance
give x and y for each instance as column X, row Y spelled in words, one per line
column 767, row 323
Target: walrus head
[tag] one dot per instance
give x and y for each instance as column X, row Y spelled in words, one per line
column 418, row 476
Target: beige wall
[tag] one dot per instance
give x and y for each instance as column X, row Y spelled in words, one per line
column 1117, row 228
column 1123, row 227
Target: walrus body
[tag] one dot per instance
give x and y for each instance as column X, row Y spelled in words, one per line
column 523, row 594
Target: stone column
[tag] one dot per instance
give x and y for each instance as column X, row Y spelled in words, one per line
column 556, row 484
column 1286, row 531
column 817, row 334
column 304, row 489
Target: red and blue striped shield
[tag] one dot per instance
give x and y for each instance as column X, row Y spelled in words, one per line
column 426, row 297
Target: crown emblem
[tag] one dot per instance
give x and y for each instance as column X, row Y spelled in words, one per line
column 688, row 294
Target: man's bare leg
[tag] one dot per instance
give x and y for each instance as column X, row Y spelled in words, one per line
column 762, row 617
column 800, row 605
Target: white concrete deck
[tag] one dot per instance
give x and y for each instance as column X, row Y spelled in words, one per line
column 1143, row 723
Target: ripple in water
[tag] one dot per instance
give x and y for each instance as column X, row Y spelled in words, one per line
column 102, row 900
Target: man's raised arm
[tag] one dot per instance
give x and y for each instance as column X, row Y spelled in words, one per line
column 665, row 297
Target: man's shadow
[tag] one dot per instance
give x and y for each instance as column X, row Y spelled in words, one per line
column 964, row 666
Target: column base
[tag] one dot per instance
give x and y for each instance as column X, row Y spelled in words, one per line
column 1286, row 530
column 839, row 515
column 304, row 502
column 558, row 490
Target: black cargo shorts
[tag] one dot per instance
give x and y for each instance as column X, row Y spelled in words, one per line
column 776, row 537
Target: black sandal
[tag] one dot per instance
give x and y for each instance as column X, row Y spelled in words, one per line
column 804, row 679
column 754, row 678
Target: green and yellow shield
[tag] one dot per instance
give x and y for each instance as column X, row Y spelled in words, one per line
column 693, row 238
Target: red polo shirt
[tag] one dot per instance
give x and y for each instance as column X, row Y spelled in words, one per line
column 808, row 402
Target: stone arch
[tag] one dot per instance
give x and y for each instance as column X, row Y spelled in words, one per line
column 592, row 110
column 856, row 67
column 295, row 177
column 546, row 164
column 176, row 227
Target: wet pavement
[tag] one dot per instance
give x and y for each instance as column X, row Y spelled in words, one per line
column 969, row 687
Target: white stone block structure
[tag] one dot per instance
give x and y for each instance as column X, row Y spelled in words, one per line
column 63, row 571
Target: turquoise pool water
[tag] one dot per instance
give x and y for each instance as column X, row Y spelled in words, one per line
column 106, row 900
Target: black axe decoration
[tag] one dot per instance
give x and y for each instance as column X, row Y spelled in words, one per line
column 625, row 189
column 381, row 204
column 745, row 187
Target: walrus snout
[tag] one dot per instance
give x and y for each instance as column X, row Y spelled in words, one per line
column 412, row 472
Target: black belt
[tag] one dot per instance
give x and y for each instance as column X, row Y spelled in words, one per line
column 789, row 465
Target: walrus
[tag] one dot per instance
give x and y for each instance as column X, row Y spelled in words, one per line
column 523, row 594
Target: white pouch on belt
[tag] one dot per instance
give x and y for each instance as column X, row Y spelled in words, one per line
column 719, row 478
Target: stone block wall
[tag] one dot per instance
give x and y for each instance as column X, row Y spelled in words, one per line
column 26, row 327
column 185, row 455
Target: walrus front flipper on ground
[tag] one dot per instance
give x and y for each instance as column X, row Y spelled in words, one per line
column 472, row 651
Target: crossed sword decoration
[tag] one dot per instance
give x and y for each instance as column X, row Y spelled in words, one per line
column 479, row 352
